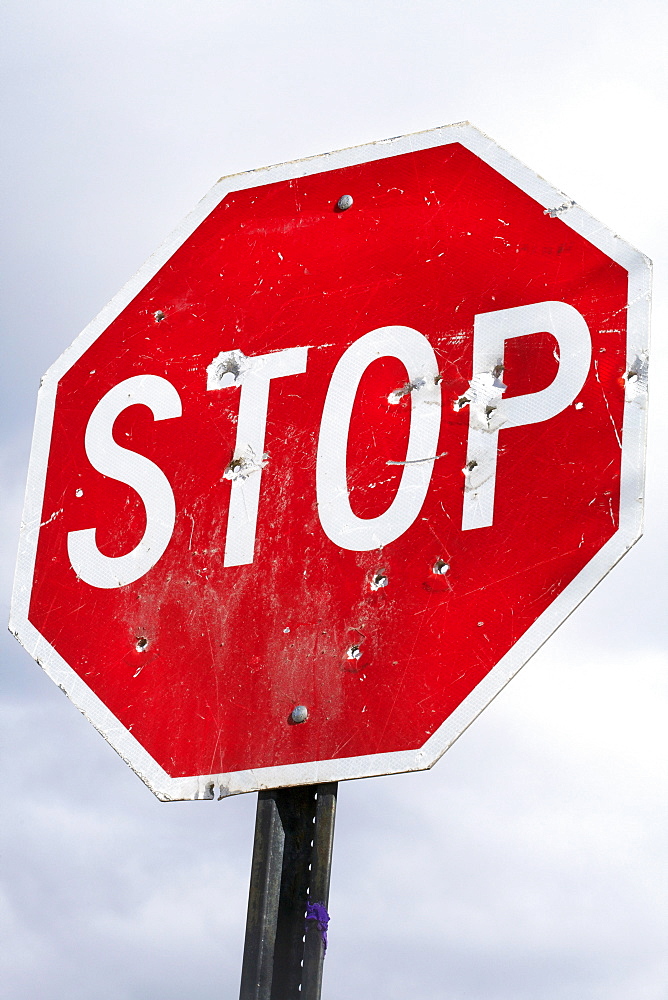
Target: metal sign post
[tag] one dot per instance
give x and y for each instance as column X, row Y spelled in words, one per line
column 284, row 947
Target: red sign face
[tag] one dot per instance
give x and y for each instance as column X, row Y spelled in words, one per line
column 326, row 474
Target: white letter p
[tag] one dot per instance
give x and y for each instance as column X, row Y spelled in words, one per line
column 489, row 412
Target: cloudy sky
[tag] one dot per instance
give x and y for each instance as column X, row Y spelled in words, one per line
column 530, row 863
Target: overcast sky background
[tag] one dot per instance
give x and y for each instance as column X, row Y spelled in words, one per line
column 530, row 864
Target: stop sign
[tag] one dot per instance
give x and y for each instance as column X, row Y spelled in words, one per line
column 334, row 464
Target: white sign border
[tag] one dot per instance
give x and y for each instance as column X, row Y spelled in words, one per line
column 210, row 786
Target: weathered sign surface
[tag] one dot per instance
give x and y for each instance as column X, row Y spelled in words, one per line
column 334, row 464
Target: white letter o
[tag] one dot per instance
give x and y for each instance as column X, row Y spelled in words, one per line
column 338, row 521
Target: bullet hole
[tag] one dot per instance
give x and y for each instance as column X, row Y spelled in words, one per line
column 142, row 643
column 397, row 394
column 440, row 567
column 244, row 466
column 470, row 466
column 158, row 315
column 354, row 653
column 78, row 493
column 484, row 388
column 229, row 366
column 379, row 580
column 635, row 380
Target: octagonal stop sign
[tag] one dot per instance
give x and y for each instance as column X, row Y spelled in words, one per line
column 334, row 464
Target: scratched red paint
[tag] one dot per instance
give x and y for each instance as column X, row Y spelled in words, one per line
column 433, row 238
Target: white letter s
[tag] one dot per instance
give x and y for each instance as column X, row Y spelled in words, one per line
column 138, row 472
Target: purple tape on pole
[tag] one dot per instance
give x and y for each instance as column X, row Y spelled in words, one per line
column 317, row 912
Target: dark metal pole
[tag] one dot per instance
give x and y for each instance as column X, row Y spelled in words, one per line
column 297, row 808
column 321, row 868
column 265, row 885
column 294, row 830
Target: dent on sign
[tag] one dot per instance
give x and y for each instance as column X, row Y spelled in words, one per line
column 315, row 452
